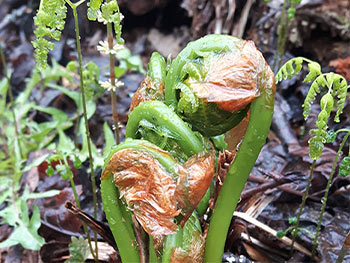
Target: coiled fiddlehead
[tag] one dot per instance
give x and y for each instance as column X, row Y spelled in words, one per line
column 209, row 88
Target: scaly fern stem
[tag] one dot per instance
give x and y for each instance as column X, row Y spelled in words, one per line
column 94, row 195
column 302, row 205
column 325, row 197
column 112, row 77
column 17, row 129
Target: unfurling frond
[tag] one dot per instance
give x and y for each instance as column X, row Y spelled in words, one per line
column 294, row 66
column 340, row 89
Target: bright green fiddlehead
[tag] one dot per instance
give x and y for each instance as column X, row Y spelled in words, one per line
column 49, row 22
column 241, row 76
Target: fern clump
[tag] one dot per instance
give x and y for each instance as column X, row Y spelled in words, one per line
column 49, row 22
column 336, row 88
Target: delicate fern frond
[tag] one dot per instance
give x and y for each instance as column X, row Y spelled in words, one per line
column 340, row 89
column 314, row 71
column 50, row 21
column 110, row 14
column 93, row 8
column 289, row 69
column 294, row 66
column 311, row 95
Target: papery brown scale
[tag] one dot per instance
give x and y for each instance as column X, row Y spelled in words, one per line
column 194, row 182
column 147, row 91
column 231, row 81
column 147, row 188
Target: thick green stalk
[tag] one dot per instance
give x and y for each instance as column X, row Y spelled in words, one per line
column 254, row 139
column 325, row 197
column 302, row 205
column 17, row 129
column 112, row 77
column 82, row 89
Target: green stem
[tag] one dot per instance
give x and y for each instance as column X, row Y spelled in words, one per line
column 153, row 258
column 302, row 205
column 12, row 104
column 112, row 77
column 82, row 89
column 325, row 197
column 344, row 249
column 161, row 115
column 76, row 198
column 254, row 139
column 277, row 56
column 283, row 40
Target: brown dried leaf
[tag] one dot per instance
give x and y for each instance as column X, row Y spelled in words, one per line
column 232, row 79
column 148, row 90
column 148, row 189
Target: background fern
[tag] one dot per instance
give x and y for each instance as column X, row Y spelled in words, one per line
column 50, row 21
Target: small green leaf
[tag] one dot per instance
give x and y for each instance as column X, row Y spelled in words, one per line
column 291, row 12
column 77, row 163
column 344, row 168
column 50, row 171
column 331, row 136
column 78, row 250
column 280, row 234
column 292, row 220
column 315, row 148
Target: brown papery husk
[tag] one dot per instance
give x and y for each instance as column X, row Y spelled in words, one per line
column 147, row 91
column 194, row 182
column 231, row 81
column 148, row 189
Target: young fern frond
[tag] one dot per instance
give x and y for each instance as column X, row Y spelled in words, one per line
column 294, row 66
column 50, row 21
column 110, row 14
column 314, row 71
column 340, row 89
column 320, row 81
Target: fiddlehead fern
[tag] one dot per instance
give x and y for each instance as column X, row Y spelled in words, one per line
column 49, row 22
column 208, row 88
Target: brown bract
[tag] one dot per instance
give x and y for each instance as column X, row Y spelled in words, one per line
column 194, row 182
column 148, row 189
column 153, row 194
column 195, row 252
column 148, row 90
column 232, row 79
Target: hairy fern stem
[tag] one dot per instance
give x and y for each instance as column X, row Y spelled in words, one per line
column 325, row 197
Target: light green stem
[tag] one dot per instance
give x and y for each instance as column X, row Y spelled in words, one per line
column 12, row 104
column 302, row 205
column 325, row 197
column 254, row 139
column 82, row 89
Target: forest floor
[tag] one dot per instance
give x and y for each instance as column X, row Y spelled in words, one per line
column 320, row 31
